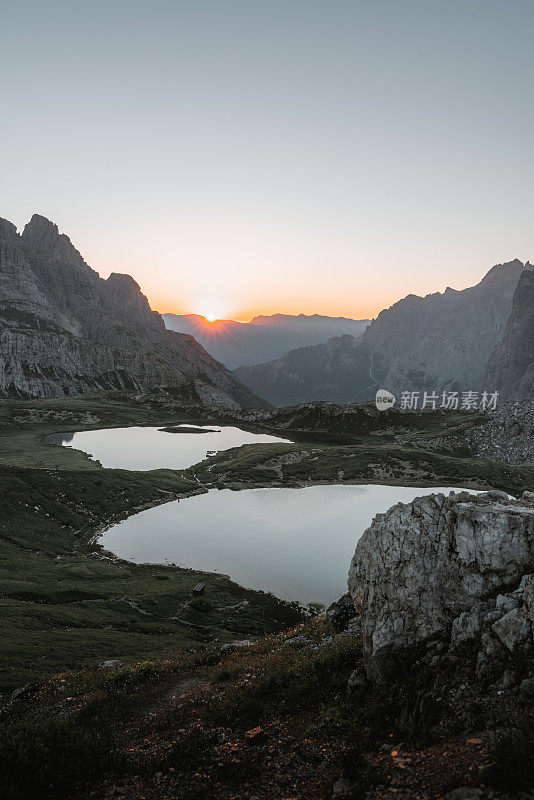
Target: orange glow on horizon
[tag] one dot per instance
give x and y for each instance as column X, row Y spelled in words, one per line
column 246, row 315
column 366, row 305
column 360, row 310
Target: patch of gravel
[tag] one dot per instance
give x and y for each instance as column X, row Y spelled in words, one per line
column 507, row 436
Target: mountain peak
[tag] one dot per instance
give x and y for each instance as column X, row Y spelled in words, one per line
column 506, row 274
column 43, row 234
column 40, row 230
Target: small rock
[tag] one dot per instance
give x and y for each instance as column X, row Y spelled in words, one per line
column 512, row 629
column 492, row 616
column 505, row 603
column 464, row 793
column 508, row 679
column 17, row 693
column 297, row 641
column 358, row 680
column 111, row 664
column 495, row 494
column 230, row 646
column 342, row 788
column 255, row 736
column 527, row 690
column 340, row 613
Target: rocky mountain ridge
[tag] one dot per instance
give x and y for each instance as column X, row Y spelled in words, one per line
column 436, row 343
column 65, row 330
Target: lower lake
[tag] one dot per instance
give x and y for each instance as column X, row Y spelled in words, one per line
column 295, row 543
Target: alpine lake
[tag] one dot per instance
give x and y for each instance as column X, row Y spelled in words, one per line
column 293, row 542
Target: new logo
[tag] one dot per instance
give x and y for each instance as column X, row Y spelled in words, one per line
column 384, row 400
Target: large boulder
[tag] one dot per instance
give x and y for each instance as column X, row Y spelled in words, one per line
column 447, row 569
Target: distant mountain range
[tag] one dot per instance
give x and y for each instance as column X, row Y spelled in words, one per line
column 264, row 337
column 65, row 330
column 439, row 342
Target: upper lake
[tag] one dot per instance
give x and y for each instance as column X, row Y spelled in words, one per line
column 143, row 448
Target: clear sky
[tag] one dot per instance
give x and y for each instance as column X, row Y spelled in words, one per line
column 245, row 156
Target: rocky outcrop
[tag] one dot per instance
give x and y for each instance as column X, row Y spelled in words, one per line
column 434, row 343
column 510, row 369
column 442, row 571
column 65, row 330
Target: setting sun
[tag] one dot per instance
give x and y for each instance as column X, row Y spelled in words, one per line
column 210, row 317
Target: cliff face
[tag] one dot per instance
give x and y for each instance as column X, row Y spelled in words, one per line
column 443, row 341
column 510, row 368
column 433, row 343
column 65, row 330
column 448, row 570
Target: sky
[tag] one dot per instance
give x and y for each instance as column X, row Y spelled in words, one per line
column 244, row 156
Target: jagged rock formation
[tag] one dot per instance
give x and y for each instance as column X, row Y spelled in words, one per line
column 433, row 343
column 65, row 330
column 510, row 368
column 442, row 571
column 239, row 344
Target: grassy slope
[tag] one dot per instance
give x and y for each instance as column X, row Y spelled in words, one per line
column 61, row 604
column 182, row 727
column 373, row 461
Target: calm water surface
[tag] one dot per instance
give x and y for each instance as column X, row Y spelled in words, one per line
column 152, row 448
column 296, row 543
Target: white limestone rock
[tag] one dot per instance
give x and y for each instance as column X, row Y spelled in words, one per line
column 427, row 570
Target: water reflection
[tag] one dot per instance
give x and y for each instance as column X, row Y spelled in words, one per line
column 143, row 448
column 296, row 543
